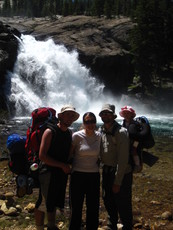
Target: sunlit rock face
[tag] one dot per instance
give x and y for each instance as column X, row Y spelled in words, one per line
column 102, row 44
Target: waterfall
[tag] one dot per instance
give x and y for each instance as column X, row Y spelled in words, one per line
column 46, row 74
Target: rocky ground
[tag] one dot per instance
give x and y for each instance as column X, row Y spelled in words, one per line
column 152, row 197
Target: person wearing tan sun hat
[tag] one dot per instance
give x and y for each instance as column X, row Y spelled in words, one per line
column 54, row 154
column 117, row 172
column 128, row 113
column 71, row 110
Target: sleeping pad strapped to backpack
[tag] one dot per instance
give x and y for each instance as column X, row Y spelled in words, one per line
column 24, row 150
column 140, row 131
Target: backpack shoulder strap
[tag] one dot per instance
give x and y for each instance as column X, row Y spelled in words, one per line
column 52, row 125
column 116, row 126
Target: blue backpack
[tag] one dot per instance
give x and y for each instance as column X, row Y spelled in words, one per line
column 141, row 131
column 18, row 162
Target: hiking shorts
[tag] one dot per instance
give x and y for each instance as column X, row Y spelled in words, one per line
column 43, row 193
column 52, row 190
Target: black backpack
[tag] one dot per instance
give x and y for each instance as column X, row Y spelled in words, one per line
column 141, row 131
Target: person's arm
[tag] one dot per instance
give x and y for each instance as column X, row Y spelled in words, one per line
column 70, row 159
column 43, row 152
column 123, row 157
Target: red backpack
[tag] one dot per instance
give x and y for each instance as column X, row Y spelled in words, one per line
column 24, row 150
column 41, row 117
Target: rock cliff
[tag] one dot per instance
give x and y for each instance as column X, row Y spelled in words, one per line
column 102, row 44
column 8, row 54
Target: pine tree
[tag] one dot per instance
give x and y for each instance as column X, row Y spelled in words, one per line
column 65, row 9
column 76, row 7
column 167, row 7
column 88, row 7
column 148, row 40
column 6, row 8
column 14, row 7
column 70, row 7
column 108, row 8
column 98, row 7
column 58, row 6
column 117, row 7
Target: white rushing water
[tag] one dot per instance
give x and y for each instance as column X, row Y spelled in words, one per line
column 46, row 74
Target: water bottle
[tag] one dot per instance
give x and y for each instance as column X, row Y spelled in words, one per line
column 34, row 167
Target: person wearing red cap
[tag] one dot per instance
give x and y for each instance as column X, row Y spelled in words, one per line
column 128, row 113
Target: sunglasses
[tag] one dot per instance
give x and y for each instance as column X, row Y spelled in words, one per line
column 89, row 122
column 105, row 113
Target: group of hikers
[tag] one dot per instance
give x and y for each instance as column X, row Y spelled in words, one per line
column 82, row 154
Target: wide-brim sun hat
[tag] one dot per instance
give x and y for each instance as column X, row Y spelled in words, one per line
column 108, row 107
column 127, row 110
column 70, row 108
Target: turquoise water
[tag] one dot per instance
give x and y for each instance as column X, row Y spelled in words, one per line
column 161, row 126
column 162, row 129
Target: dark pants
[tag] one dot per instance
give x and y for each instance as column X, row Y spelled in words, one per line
column 84, row 185
column 119, row 203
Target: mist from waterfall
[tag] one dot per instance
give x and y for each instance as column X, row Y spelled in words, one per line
column 46, row 74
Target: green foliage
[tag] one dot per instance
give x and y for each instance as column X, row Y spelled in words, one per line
column 65, row 8
column 39, row 8
column 108, row 8
column 151, row 38
column 6, row 8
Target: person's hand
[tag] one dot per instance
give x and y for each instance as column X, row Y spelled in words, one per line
column 116, row 188
column 66, row 168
